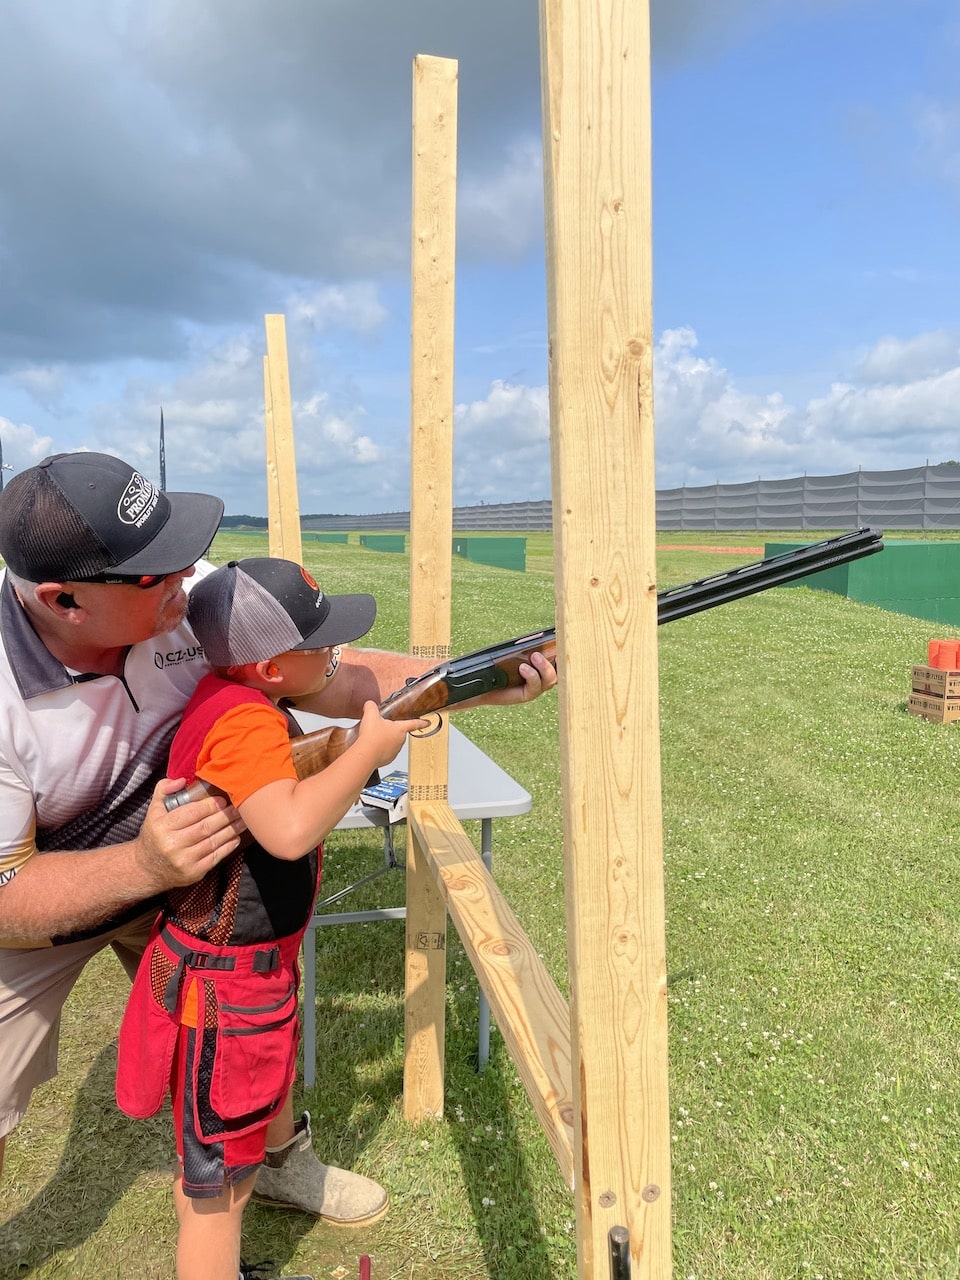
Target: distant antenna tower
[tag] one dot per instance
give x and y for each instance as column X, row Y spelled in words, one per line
column 4, row 466
column 163, row 455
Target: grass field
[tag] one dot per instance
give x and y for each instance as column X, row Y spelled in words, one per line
column 812, row 859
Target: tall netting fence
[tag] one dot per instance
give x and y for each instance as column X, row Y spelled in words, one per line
column 925, row 497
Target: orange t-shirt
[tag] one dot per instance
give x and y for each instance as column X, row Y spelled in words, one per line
column 247, row 748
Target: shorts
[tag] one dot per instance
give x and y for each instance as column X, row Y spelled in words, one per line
column 34, row 986
column 217, row 1028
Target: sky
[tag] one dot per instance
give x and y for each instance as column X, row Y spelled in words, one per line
column 171, row 172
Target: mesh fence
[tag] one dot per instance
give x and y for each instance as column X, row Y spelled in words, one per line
column 925, row 497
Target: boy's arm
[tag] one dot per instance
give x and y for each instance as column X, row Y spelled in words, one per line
column 288, row 818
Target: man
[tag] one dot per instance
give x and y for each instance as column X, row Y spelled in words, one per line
column 96, row 666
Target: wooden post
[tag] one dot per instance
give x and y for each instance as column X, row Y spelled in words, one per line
column 596, row 118
column 274, row 532
column 279, row 413
column 431, row 540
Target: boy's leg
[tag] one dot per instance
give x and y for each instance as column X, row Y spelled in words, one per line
column 208, row 1243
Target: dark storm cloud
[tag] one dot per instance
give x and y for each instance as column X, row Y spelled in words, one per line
column 191, row 160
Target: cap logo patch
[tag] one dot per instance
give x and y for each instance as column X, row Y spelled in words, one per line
column 313, row 587
column 138, row 501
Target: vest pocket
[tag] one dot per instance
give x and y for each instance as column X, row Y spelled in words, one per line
column 256, row 1048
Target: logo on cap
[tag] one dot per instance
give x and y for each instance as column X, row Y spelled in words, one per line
column 313, row 587
column 138, row 501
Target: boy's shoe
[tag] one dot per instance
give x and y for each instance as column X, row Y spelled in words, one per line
column 292, row 1177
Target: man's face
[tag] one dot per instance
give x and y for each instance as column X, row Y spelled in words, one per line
column 120, row 614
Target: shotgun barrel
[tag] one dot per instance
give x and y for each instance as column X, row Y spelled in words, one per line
column 497, row 666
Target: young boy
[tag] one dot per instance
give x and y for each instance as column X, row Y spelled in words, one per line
column 212, row 1016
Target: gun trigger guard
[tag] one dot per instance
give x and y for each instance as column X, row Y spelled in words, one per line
column 428, row 733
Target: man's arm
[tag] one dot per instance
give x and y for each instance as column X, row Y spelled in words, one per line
column 56, row 893
column 371, row 675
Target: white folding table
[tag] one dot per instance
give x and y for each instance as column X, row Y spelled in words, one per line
column 477, row 789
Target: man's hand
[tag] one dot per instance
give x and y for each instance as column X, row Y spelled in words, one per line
column 539, row 676
column 180, row 847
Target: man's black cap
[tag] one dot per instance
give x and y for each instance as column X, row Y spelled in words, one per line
column 78, row 515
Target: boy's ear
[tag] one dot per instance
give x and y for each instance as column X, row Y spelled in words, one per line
column 268, row 670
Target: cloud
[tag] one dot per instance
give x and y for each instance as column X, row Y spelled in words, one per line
column 21, row 441
column 353, row 306
column 186, row 161
column 680, row 29
column 937, row 126
column 899, row 410
column 500, row 209
column 502, row 446
column 904, row 360
column 192, row 160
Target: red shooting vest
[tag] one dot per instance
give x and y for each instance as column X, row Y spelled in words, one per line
column 238, row 933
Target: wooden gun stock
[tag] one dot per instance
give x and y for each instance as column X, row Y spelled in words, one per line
column 498, row 667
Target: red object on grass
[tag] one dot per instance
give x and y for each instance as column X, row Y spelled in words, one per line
column 943, row 654
column 365, row 1267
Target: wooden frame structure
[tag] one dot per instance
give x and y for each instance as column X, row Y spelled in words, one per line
column 283, row 506
column 595, row 1069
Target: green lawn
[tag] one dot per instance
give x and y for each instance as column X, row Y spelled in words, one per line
column 812, row 859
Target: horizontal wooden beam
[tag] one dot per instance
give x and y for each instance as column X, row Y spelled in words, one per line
column 531, row 1014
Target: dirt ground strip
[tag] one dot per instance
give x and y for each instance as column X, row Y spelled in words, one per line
column 732, row 551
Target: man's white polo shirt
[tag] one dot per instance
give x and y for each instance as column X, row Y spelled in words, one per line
column 81, row 754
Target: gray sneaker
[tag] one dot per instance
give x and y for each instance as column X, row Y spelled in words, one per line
column 292, row 1177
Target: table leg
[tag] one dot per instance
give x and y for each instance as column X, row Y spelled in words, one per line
column 483, row 1046
column 310, row 1006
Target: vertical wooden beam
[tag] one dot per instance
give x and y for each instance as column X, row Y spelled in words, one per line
column 274, row 532
column 595, row 58
column 431, row 541
column 277, row 378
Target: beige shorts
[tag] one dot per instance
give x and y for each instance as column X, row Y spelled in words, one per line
column 34, row 985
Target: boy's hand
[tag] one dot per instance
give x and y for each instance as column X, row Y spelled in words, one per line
column 385, row 737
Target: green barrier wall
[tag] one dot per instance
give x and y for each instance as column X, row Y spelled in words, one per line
column 920, row 579
column 383, row 541
column 504, row 553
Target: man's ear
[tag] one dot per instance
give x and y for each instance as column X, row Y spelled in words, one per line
column 58, row 600
column 268, row 671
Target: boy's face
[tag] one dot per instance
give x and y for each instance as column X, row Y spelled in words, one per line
column 304, row 670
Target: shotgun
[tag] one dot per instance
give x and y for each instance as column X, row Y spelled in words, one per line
column 498, row 666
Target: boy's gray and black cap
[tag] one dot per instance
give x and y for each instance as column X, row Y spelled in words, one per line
column 79, row 515
column 251, row 610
